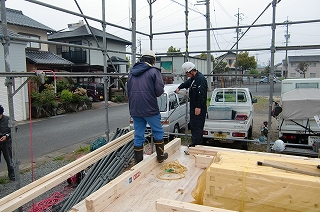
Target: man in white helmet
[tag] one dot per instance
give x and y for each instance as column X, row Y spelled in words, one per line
column 144, row 85
column 197, row 85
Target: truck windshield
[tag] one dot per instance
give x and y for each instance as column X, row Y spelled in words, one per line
column 162, row 102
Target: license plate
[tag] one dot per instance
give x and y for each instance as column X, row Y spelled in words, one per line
column 219, row 136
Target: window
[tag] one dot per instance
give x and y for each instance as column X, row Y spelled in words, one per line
column 313, row 64
column 231, row 96
column 292, row 75
column 162, row 102
column 173, row 102
column 183, row 98
column 33, row 45
column 75, row 48
column 307, row 85
column 312, row 75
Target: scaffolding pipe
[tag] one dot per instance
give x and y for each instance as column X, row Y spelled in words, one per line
column 80, row 15
column 9, row 83
column 273, row 50
column 237, row 27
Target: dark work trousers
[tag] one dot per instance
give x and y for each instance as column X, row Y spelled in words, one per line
column 196, row 126
column 6, row 149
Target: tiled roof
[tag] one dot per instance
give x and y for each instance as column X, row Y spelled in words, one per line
column 16, row 17
column 44, row 57
column 304, row 58
column 85, row 31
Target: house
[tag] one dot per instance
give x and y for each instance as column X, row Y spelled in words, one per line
column 90, row 60
column 17, row 63
column 230, row 59
column 313, row 69
column 30, row 56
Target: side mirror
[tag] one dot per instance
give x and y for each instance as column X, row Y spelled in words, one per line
column 254, row 100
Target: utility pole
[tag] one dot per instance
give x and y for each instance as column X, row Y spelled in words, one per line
column 150, row 18
column 139, row 45
column 187, row 31
column 238, row 30
column 287, row 36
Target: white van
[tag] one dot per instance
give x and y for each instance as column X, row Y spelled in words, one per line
column 172, row 106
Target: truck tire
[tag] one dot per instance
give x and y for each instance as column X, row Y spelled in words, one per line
column 250, row 133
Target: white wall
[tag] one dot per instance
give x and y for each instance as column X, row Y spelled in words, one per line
column 17, row 64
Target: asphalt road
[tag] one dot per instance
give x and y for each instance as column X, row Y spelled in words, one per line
column 59, row 133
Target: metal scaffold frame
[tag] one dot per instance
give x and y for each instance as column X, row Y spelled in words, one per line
column 10, row 75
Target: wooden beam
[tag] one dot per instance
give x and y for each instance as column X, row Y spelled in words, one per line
column 167, row 205
column 38, row 187
column 99, row 200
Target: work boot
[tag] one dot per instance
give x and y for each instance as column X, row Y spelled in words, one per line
column 138, row 154
column 161, row 155
column 11, row 175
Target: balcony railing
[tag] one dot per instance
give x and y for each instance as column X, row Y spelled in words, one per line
column 75, row 56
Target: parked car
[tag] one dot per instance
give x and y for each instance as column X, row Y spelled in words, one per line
column 266, row 80
column 95, row 90
column 172, row 108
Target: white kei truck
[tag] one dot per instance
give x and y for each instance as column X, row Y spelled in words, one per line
column 230, row 116
column 298, row 123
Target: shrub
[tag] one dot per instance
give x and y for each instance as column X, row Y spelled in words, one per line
column 66, row 96
column 62, row 85
column 117, row 99
column 44, row 99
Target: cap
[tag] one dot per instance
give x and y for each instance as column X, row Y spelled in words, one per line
column 188, row 66
column 149, row 53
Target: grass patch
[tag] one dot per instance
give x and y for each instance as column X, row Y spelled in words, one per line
column 59, row 158
column 4, row 180
column 82, row 150
column 262, row 104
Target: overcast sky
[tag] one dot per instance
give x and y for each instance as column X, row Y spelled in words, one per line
column 169, row 16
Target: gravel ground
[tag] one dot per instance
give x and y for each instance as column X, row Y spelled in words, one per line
column 25, row 179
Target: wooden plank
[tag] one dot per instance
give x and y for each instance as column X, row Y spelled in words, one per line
column 239, row 205
column 107, row 194
column 165, row 205
column 36, row 188
column 202, row 150
column 203, row 161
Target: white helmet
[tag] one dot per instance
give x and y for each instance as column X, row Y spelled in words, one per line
column 149, row 53
column 188, row 66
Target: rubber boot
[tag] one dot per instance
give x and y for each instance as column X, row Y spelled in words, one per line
column 138, row 154
column 161, row 155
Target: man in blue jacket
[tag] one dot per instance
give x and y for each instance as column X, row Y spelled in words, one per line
column 198, row 87
column 144, row 85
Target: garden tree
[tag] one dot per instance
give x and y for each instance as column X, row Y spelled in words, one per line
column 267, row 69
column 173, row 49
column 245, row 62
column 302, row 68
column 204, row 56
column 253, row 71
column 220, row 67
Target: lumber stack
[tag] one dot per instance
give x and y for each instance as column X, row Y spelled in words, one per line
column 237, row 183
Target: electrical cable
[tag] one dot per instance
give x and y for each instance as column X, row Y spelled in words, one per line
column 172, row 171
